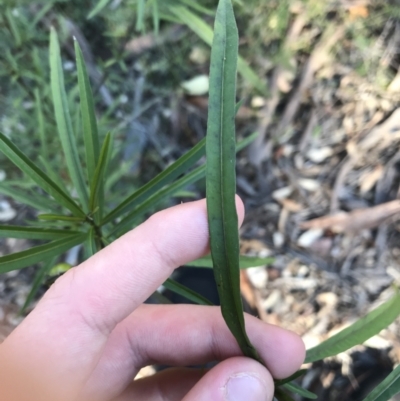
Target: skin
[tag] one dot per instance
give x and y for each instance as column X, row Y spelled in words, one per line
column 91, row 333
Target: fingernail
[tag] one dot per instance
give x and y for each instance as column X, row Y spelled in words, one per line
column 245, row 387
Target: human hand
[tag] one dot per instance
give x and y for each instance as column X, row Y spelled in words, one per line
column 90, row 334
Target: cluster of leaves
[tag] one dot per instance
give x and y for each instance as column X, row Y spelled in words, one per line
column 189, row 13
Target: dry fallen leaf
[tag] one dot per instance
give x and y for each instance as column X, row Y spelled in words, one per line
column 356, row 220
column 358, row 11
column 290, row 205
column 382, row 135
column 370, row 178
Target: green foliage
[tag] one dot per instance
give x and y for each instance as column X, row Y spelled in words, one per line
column 68, row 220
column 387, row 389
column 70, row 190
column 358, row 332
column 184, row 12
column 245, row 262
column 221, row 175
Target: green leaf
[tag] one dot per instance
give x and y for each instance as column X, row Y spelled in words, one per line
column 98, row 8
column 39, row 279
column 60, row 217
column 281, row 395
column 358, row 332
column 41, row 179
column 294, row 376
column 156, row 17
column 160, row 298
column 127, row 222
column 13, row 27
column 295, row 388
column 387, row 389
column 167, row 176
column 196, row 6
column 41, row 125
column 238, row 106
column 245, row 262
column 90, row 132
column 97, row 186
column 25, row 197
column 189, row 294
column 51, row 172
column 221, row 175
column 140, row 15
column 203, row 30
column 246, row 141
column 63, row 119
column 39, row 253
column 34, row 233
column 91, row 244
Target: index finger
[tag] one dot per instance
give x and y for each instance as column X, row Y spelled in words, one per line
column 109, row 286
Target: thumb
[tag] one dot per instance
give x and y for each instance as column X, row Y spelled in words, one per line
column 235, row 379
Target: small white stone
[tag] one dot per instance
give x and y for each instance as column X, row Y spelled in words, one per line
column 309, row 237
column 68, row 66
column 197, row 86
column 278, row 239
column 272, row 300
column 199, row 55
column 257, row 102
column 303, row 271
column 319, row 155
column 282, row 193
column 7, row 213
column 123, row 99
column 309, row 184
column 258, row 276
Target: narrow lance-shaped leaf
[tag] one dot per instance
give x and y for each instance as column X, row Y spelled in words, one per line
column 281, row 395
column 127, row 222
column 91, row 244
column 146, row 205
column 140, row 15
column 294, row 376
column 358, row 332
column 60, row 217
column 186, row 292
column 96, row 195
column 34, row 233
column 89, row 123
column 221, row 176
column 203, row 30
column 156, row 17
column 52, row 173
column 168, row 175
column 245, row 262
column 389, row 387
column 41, row 125
column 13, row 26
column 196, row 6
column 31, row 170
column 295, row 388
column 34, row 255
column 64, row 123
column 39, row 279
column 98, row 8
column 26, row 197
